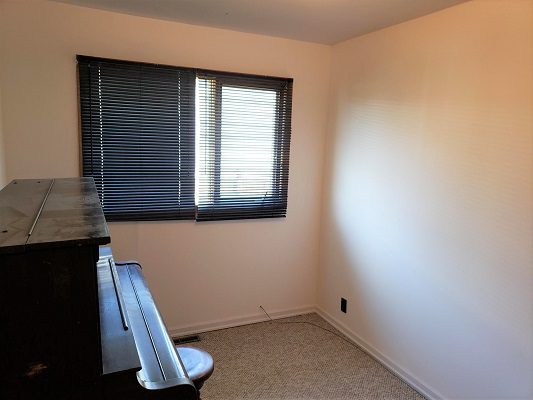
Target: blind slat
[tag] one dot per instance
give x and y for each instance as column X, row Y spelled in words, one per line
column 138, row 127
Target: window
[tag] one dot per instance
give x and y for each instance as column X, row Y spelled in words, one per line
column 178, row 143
column 243, row 136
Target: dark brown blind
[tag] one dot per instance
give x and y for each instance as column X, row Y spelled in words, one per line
column 138, row 137
column 243, row 133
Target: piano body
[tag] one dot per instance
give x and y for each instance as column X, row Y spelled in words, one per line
column 75, row 324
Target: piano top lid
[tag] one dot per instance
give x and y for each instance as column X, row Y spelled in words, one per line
column 43, row 213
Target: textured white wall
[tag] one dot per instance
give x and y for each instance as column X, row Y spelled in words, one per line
column 428, row 217
column 198, row 272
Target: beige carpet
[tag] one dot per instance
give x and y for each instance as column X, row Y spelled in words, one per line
column 270, row 361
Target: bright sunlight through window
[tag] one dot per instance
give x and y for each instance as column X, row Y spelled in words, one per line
column 230, row 119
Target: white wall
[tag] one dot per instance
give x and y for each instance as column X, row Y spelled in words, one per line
column 427, row 224
column 198, row 272
column 3, row 179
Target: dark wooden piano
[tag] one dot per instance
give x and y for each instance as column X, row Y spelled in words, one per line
column 75, row 324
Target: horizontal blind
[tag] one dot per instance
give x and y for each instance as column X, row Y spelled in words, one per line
column 244, row 128
column 138, row 143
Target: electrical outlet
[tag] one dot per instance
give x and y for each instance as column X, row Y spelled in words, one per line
column 344, row 303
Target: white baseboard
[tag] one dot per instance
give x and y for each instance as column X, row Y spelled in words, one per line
column 243, row 320
column 260, row 316
column 423, row 389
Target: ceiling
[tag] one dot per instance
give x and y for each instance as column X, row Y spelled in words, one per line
column 320, row 21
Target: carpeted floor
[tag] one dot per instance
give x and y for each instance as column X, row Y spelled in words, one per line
column 271, row 361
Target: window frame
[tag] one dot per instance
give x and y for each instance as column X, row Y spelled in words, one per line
column 276, row 205
column 282, row 118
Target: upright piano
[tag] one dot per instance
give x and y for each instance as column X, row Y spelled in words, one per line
column 74, row 323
